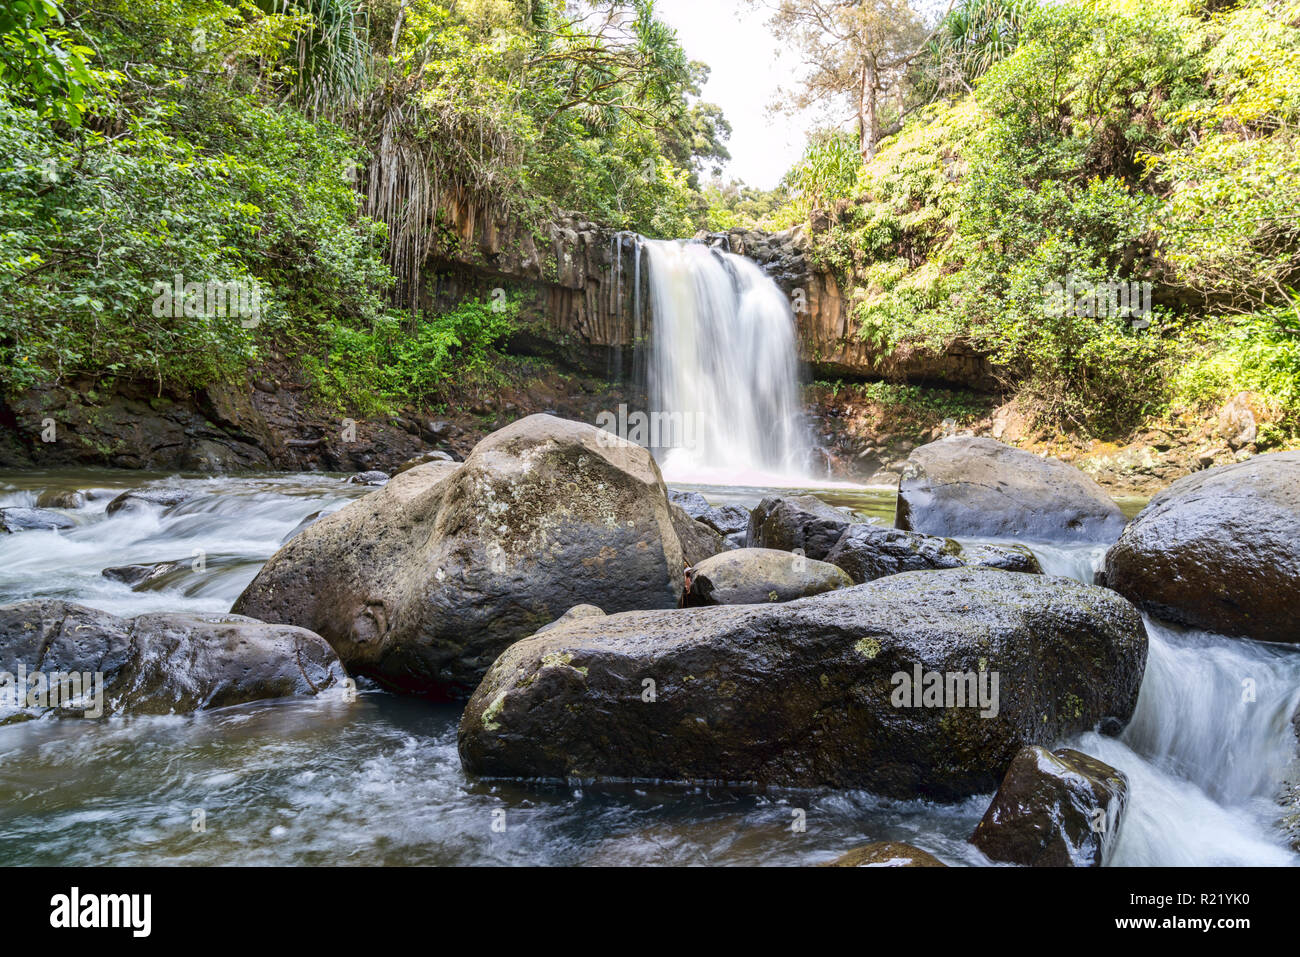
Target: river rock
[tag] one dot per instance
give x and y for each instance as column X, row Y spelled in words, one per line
column 978, row 488
column 751, row 576
column 20, row 519
column 698, row 541
column 134, row 576
column 729, row 521
column 422, row 583
column 1219, row 550
column 156, row 663
column 158, row 497
column 1054, row 809
column 61, row 498
column 886, row 854
column 803, row 522
column 373, row 477
column 803, row 693
column 868, row 552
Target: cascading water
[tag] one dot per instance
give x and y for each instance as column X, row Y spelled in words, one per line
column 723, row 359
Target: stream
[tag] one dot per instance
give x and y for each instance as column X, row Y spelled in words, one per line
column 379, row 782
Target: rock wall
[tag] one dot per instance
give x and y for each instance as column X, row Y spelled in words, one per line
column 582, row 279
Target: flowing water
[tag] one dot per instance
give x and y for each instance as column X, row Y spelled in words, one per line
column 724, row 358
column 379, row 781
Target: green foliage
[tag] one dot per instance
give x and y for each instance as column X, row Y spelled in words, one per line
column 827, row 171
column 1119, row 142
column 45, row 65
column 394, row 362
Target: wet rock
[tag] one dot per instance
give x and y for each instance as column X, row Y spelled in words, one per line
column 729, row 521
column 422, row 583
column 140, row 497
column 61, row 498
column 748, row 576
column 134, row 576
column 803, row 522
column 20, row 519
column 803, row 693
column 697, row 539
column 886, row 854
column 1054, row 809
column 868, row 552
column 978, row 488
column 373, row 477
column 1219, row 551
column 155, row 663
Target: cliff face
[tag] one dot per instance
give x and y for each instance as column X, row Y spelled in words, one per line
column 588, row 304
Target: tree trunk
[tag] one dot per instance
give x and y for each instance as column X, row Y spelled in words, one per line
column 868, row 119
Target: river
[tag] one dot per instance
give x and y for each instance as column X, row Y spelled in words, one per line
column 379, row 782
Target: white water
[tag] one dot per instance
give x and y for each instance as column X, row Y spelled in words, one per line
column 1204, row 765
column 1204, row 762
column 724, row 353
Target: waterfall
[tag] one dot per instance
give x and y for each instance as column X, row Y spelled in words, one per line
column 1208, row 744
column 724, row 359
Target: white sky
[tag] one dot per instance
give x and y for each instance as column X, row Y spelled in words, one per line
column 749, row 65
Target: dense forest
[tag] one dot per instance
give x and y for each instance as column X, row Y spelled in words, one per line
column 297, row 153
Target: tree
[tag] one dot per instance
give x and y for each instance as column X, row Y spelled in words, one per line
column 857, row 51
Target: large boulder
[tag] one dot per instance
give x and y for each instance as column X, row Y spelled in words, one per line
column 20, row 519
column 151, row 664
column 801, row 522
column 979, row 488
column 1054, row 809
column 868, row 552
column 749, row 576
column 1219, row 550
column 886, row 854
column 422, row 583
column 835, row 690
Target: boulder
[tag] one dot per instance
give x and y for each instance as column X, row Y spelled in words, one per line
column 151, row 664
column 752, row 576
column 868, row 552
column 1054, row 809
column 729, row 521
column 61, row 498
column 817, row 692
column 978, row 488
column 20, row 519
column 803, row 522
column 422, row 583
column 373, row 477
column 886, row 854
column 140, row 497
column 1219, row 550
column 136, row 576
column 698, row 541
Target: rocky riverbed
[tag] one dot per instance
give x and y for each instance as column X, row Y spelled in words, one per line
column 806, row 677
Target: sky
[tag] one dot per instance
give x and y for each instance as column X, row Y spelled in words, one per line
column 732, row 37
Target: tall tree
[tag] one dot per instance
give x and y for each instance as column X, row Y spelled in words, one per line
column 857, row 53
